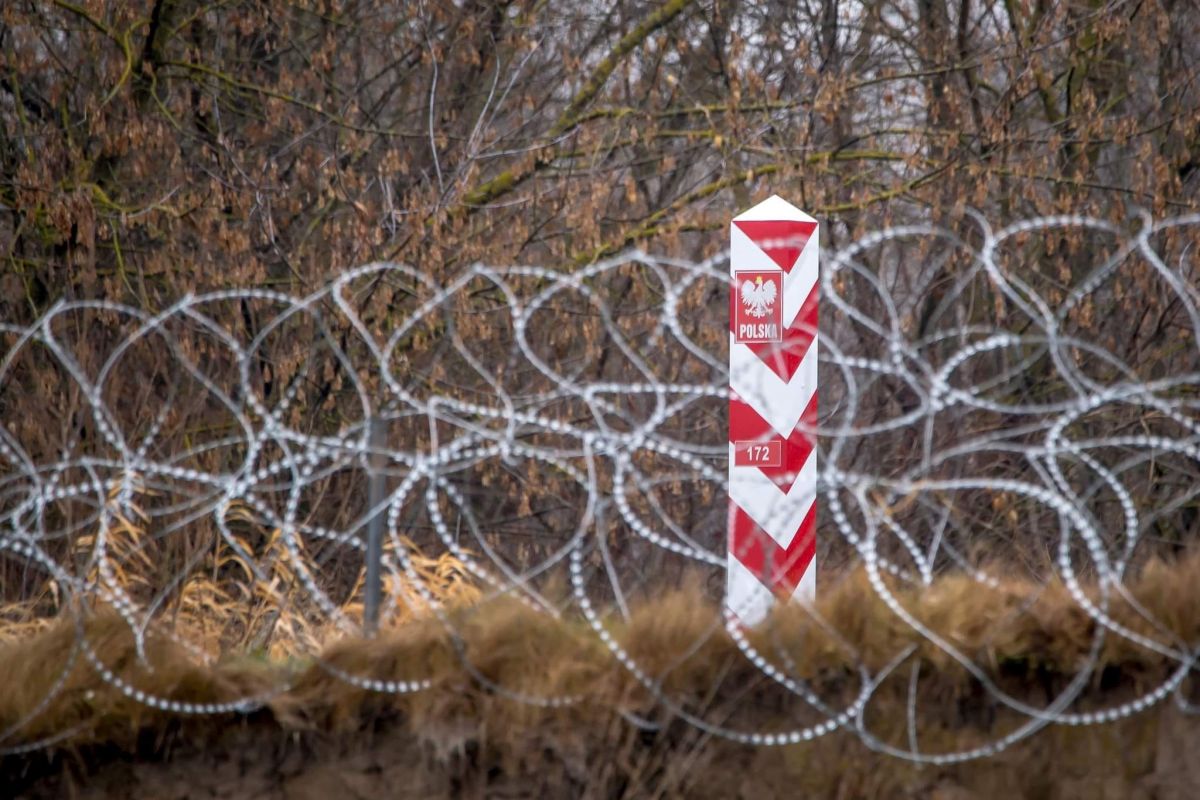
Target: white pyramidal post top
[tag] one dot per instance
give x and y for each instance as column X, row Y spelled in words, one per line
column 775, row 208
column 772, row 408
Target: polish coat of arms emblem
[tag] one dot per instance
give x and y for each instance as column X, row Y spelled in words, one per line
column 759, row 313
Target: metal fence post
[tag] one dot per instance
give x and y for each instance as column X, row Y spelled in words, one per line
column 375, row 495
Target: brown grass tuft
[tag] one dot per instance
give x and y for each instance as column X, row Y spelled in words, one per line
column 477, row 722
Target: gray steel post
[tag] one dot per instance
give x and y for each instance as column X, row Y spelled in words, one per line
column 375, row 496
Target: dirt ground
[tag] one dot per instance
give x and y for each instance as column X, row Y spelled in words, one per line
column 1151, row 757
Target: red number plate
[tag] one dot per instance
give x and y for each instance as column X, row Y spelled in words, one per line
column 758, row 454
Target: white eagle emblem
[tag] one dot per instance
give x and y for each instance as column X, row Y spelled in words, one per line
column 758, row 297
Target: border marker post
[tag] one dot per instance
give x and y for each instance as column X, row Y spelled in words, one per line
column 774, row 295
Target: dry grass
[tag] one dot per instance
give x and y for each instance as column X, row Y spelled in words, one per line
column 463, row 733
column 246, row 594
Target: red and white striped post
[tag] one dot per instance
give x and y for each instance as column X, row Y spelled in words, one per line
column 772, row 408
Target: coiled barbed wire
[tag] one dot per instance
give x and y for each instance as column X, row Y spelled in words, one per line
column 546, row 379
